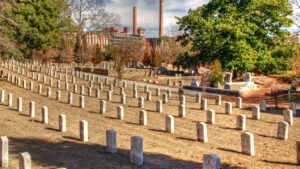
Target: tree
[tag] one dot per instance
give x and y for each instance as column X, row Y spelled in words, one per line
column 91, row 14
column 119, row 58
column 296, row 16
column 99, row 55
column 169, row 48
column 8, row 46
column 41, row 20
column 243, row 35
column 217, row 74
column 155, row 59
column 110, row 50
column 186, row 60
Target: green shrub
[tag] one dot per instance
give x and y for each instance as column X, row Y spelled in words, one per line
column 217, row 74
column 287, row 77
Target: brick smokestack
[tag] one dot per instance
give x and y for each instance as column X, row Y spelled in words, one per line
column 134, row 21
column 161, row 19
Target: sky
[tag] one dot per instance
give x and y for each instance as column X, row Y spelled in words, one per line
column 148, row 13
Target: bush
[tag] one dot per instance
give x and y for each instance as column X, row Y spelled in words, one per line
column 287, row 77
column 217, row 74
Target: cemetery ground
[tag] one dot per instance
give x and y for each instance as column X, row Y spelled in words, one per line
column 50, row 148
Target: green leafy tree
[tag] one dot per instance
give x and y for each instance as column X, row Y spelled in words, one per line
column 110, row 50
column 243, row 35
column 186, row 60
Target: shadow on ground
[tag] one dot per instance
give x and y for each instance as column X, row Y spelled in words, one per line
column 73, row 154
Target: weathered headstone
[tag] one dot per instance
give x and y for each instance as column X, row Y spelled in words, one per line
column 141, row 102
column 109, row 95
column 24, row 84
column 102, row 107
column 70, row 98
column 40, row 89
column 135, row 93
column 210, row 117
column 48, row 92
column 255, row 113
column 201, row 132
column 247, row 77
column 62, row 123
column 81, row 101
column 159, row 107
column 288, row 116
column 24, row 161
column 32, row 109
column 143, row 117
column 58, row 95
column 82, row 89
column 120, row 113
column 182, row 100
column 2, row 96
column 282, row 130
column 211, row 161
column 293, row 107
column 66, row 86
column 181, row 110
column 157, row 92
column 111, row 141
column 228, row 108
column 3, row 151
column 149, row 95
column 98, row 94
column 45, row 114
column 203, row 104
column 58, row 84
column 169, row 123
column 90, row 91
column 136, row 153
column 165, row 98
column 20, row 104
column 123, row 98
column 247, row 143
column 84, row 136
column 241, row 122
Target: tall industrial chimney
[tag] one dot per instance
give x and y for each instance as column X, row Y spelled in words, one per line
column 161, row 19
column 134, row 21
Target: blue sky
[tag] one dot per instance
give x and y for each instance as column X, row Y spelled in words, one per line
column 148, row 12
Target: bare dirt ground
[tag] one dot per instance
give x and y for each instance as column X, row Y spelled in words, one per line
column 50, row 148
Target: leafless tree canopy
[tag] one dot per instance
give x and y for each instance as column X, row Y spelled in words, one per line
column 92, row 14
column 296, row 16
